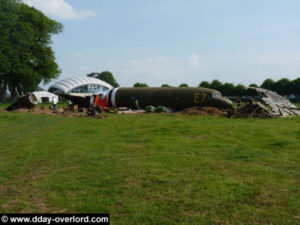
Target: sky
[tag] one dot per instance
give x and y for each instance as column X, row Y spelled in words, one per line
column 177, row 41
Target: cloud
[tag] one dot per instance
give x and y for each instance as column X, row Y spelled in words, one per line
column 157, row 70
column 78, row 55
column 192, row 69
column 84, row 69
column 279, row 57
column 59, row 9
column 194, row 61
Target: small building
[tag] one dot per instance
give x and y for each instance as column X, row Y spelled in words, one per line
column 81, row 86
column 45, row 96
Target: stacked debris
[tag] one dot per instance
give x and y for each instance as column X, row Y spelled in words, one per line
column 253, row 109
column 279, row 105
column 272, row 105
column 81, row 102
column 24, row 101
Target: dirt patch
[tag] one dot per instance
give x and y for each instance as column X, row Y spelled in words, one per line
column 204, row 111
column 20, row 110
column 80, row 113
column 199, row 137
column 137, row 146
column 63, row 111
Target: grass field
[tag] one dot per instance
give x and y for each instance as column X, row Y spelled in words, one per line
column 152, row 168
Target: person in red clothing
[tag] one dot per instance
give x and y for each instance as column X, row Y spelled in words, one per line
column 95, row 106
column 101, row 101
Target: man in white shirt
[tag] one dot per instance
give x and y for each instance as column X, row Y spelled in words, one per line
column 54, row 102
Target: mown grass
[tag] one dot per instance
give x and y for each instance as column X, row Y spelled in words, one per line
column 152, row 168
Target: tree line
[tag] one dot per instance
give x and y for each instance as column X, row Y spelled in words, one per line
column 283, row 87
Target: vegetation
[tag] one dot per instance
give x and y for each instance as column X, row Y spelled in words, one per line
column 183, row 85
column 26, row 56
column 283, row 87
column 165, row 85
column 140, row 85
column 106, row 76
column 152, row 168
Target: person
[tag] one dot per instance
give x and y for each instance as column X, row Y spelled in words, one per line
column 101, row 102
column 94, row 108
column 54, row 102
column 238, row 101
column 92, row 98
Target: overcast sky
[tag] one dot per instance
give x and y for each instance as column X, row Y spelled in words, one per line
column 177, row 41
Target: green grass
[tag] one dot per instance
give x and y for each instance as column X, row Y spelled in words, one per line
column 152, row 168
column 4, row 105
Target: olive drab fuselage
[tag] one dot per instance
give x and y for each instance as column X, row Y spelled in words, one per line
column 173, row 97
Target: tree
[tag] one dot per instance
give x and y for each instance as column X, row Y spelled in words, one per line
column 106, row 76
column 140, row 85
column 228, row 89
column 268, row 84
column 282, row 86
column 165, row 85
column 251, row 92
column 183, row 85
column 295, row 87
column 204, row 84
column 26, row 56
column 240, row 90
column 217, row 85
column 253, row 85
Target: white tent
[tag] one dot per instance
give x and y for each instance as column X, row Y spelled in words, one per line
column 82, row 85
column 45, row 96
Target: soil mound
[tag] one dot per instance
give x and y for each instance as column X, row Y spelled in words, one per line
column 63, row 111
column 204, row 111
